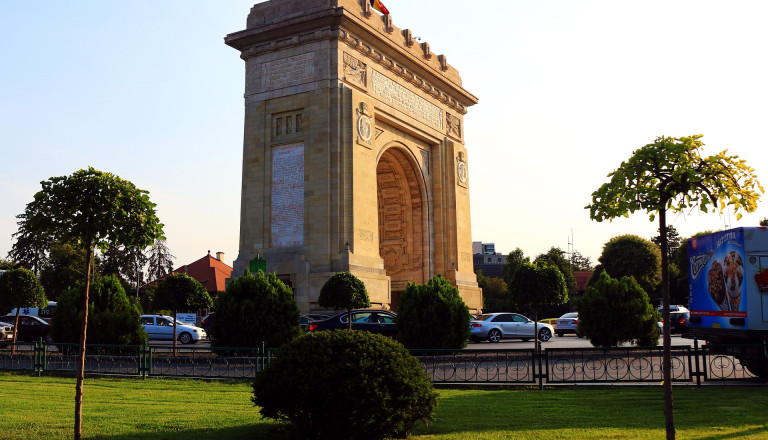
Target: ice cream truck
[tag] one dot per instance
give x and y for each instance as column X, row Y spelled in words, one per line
column 728, row 302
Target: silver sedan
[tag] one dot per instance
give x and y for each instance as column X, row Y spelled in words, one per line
column 498, row 326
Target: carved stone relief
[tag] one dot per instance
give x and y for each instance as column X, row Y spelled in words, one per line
column 453, row 124
column 461, row 170
column 355, row 70
column 364, row 125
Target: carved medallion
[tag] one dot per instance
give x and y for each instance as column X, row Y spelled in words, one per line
column 364, row 126
column 461, row 169
column 391, row 261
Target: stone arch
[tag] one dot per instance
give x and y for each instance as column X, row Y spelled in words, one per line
column 403, row 217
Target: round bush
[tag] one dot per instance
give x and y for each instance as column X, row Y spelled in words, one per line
column 255, row 308
column 432, row 315
column 346, row 384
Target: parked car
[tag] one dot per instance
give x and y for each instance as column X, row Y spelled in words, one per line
column 374, row 321
column 679, row 321
column 568, row 323
column 6, row 331
column 31, row 328
column 317, row 316
column 206, row 321
column 498, row 326
column 160, row 328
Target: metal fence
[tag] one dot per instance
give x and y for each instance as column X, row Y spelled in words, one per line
column 512, row 366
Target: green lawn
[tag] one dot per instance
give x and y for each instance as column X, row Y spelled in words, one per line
column 43, row 408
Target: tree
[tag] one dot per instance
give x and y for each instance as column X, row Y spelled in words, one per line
column 673, row 241
column 255, row 308
column 614, row 311
column 632, row 255
column 20, row 288
column 112, row 318
column 495, row 297
column 535, row 285
column 671, row 174
column 514, row 260
column 30, row 249
column 64, row 268
column 160, row 260
column 764, row 222
column 93, row 209
column 125, row 262
column 554, row 256
column 432, row 315
column 580, row 262
column 344, row 291
column 179, row 291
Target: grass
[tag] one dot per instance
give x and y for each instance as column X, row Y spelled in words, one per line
column 170, row 409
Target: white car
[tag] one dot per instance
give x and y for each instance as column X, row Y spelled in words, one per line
column 568, row 323
column 498, row 326
column 6, row 331
column 160, row 328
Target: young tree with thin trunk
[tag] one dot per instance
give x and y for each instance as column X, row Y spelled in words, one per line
column 20, row 288
column 344, row 291
column 181, row 292
column 671, row 174
column 93, row 209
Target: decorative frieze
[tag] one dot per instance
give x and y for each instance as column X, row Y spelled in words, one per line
column 288, row 71
column 406, row 100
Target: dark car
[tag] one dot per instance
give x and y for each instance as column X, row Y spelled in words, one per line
column 31, row 328
column 206, row 321
column 679, row 322
column 374, row 321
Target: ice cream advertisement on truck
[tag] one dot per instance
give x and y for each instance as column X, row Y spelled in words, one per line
column 728, row 277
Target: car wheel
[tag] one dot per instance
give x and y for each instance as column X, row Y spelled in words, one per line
column 185, row 338
column 545, row 334
column 560, row 333
column 494, row 335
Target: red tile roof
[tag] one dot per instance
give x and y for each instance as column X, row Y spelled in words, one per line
column 209, row 271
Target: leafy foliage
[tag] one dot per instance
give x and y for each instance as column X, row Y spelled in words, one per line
column 432, row 315
column 94, row 209
column 344, row 291
column 580, row 262
column 64, row 268
column 514, row 260
column 673, row 240
column 112, row 317
column 125, row 262
column 671, row 174
column 19, row 287
column 614, row 311
column 537, row 284
column 632, row 255
column 255, row 308
column 346, row 385
column 495, row 297
column 30, row 248
column 160, row 260
column 179, row 291
column 554, row 257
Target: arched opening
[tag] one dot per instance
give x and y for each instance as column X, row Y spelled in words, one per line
column 403, row 234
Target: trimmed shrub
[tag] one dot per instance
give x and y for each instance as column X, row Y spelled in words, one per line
column 255, row 308
column 112, row 317
column 615, row 311
column 346, row 384
column 432, row 315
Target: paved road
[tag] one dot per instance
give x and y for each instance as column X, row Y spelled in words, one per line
column 565, row 341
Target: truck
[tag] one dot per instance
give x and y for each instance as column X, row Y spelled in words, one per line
column 728, row 294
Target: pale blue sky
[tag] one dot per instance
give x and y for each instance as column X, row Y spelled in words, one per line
column 568, row 89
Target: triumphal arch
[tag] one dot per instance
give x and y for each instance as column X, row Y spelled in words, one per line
column 353, row 155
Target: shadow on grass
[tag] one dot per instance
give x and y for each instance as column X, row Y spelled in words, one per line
column 697, row 410
column 260, row 431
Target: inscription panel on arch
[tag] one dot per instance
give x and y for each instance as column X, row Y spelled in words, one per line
column 399, row 96
column 288, row 71
column 288, row 195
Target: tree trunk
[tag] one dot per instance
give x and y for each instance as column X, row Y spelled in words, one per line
column 15, row 330
column 175, row 336
column 81, row 356
column 669, row 414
